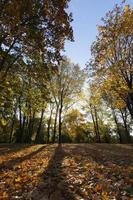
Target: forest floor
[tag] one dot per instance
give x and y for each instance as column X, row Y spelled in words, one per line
column 66, row 172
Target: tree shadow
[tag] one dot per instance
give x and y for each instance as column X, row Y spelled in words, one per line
column 106, row 167
column 118, row 154
column 115, row 148
column 11, row 163
column 106, row 153
column 13, row 148
column 54, row 185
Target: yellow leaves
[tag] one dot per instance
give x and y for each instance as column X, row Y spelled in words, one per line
column 110, row 52
column 127, row 8
column 120, row 104
column 95, row 94
column 5, row 195
column 1, row 103
column 9, row 89
column 111, row 57
column 7, row 83
column 81, row 95
column 3, row 122
column 105, row 196
column 127, row 20
column 18, row 179
column 17, row 186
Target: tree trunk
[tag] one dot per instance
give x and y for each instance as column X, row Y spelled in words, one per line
column 117, row 125
column 39, row 128
column 20, row 121
column 60, row 124
column 124, row 118
column 129, row 103
column 23, row 127
column 95, row 123
column 12, row 126
column 19, row 134
column 29, row 134
column 55, row 124
column 32, row 123
column 95, row 130
column 30, row 127
column 49, row 124
column 97, row 126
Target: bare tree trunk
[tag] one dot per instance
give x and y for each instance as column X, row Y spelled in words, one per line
column 49, row 124
column 55, row 124
column 39, row 128
column 30, row 127
column 95, row 129
column 32, row 123
column 28, row 136
column 95, row 123
column 20, row 118
column 19, row 134
column 97, row 126
column 117, row 125
column 12, row 126
column 129, row 103
column 60, row 123
column 124, row 118
column 23, row 127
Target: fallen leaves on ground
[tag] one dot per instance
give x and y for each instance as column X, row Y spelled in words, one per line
column 66, row 172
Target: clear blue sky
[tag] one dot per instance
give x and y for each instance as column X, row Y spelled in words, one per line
column 87, row 15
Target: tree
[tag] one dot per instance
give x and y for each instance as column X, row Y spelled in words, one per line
column 66, row 87
column 112, row 54
column 32, row 26
column 75, row 128
column 32, row 35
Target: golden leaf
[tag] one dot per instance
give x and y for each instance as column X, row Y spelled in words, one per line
column 126, row 8
column 3, row 122
column 18, row 179
column 5, row 195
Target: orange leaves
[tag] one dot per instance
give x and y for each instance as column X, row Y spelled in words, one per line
column 22, row 170
column 105, row 196
column 82, row 171
column 99, row 187
column 120, row 104
column 5, row 195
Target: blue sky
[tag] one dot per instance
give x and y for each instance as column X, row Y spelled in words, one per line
column 87, row 15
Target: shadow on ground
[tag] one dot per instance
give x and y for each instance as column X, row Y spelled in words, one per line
column 11, row 163
column 78, row 171
column 54, row 185
column 56, row 182
column 6, row 149
column 121, row 155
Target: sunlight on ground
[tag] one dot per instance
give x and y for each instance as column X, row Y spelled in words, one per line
column 90, row 171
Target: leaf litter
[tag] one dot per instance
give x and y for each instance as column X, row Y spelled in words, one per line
column 67, row 172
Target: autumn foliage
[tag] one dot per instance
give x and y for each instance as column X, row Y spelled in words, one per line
column 66, row 172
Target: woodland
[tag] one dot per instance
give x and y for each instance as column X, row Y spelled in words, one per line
column 66, row 132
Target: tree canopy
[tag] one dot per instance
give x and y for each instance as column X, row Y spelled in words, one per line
column 43, row 93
